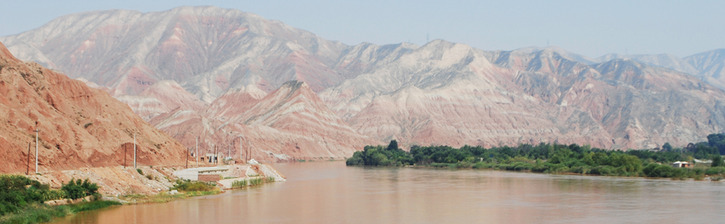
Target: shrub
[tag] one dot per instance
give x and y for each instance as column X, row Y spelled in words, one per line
column 139, row 171
column 36, row 213
column 239, row 184
column 715, row 170
column 50, row 195
column 255, row 181
column 717, row 160
column 18, row 192
column 186, row 185
column 657, row 170
column 556, row 168
column 602, row 170
column 482, row 165
column 92, row 205
column 584, row 169
column 75, row 189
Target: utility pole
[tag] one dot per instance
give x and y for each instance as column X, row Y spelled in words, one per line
column 214, row 159
column 197, row 151
column 241, row 149
column 27, row 169
column 36, row 147
column 134, row 150
column 187, row 159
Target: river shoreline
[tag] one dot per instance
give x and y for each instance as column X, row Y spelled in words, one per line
column 502, row 167
column 144, row 184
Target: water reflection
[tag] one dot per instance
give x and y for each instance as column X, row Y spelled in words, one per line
column 329, row 192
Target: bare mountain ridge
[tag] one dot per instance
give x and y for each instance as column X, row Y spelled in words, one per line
column 439, row 93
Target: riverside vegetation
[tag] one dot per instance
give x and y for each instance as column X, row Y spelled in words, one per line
column 186, row 188
column 556, row 158
column 21, row 199
column 251, row 182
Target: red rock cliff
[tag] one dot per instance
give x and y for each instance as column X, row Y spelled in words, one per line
column 78, row 126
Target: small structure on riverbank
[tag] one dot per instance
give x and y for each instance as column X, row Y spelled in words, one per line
column 226, row 175
column 681, row 164
column 202, row 173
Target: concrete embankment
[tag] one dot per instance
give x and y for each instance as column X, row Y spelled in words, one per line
column 225, row 176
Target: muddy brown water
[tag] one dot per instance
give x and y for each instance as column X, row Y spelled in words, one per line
column 330, row 192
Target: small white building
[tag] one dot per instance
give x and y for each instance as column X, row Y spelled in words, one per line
column 199, row 173
column 681, row 164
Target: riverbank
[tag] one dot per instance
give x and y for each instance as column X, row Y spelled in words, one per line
column 126, row 185
column 37, row 213
column 697, row 173
column 118, row 181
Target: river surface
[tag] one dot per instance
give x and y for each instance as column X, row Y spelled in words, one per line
column 330, row 192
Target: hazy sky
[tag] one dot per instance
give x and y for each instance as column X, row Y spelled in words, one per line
column 591, row 28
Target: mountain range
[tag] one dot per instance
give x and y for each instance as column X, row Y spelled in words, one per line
column 235, row 79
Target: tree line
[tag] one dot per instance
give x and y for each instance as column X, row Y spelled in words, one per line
column 554, row 158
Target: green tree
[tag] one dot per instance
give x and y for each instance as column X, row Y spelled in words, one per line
column 393, row 145
column 667, row 146
column 717, row 141
column 75, row 189
column 717, row 161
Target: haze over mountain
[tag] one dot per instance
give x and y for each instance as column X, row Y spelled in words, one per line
column 708, row 66
column 220, row 73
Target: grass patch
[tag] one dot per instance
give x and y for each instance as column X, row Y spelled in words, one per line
column 186, row 185
column 165, row 197
column 93, row 205
column 37, row 213
column 255, row 181
column 239, row 184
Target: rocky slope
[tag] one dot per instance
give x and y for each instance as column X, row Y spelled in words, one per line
column 219, row 73
column 79, row 126
column 289, row 123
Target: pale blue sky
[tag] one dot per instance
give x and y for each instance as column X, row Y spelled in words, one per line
column 591, row 28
